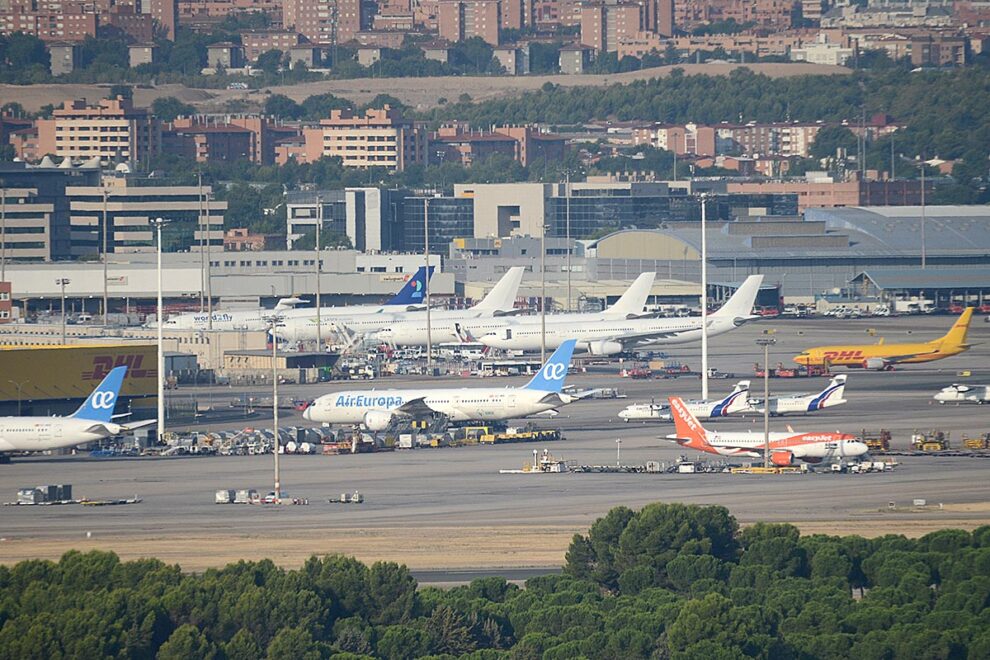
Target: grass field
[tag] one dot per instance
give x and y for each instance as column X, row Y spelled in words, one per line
column 421, row 93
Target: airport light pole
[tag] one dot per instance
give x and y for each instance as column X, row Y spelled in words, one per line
column 543, row 294
column 426, row 258
column 766, row 343
column 19, row 385
column 202, row 247
column 618, row 452
column 567, row 232
column 158, row 223
column 704, row 296
column 274, row 321
column 924, row 256
column 106, row 294
column 319, row 269
column 209, row 270
column 61, row 282
column 3, row 234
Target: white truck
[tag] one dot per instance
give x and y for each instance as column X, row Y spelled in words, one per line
column 962, row 393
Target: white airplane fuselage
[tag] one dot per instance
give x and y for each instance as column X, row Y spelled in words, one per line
column 810, row 447
column 595, row 336
column 43, row 433
column 460, row 404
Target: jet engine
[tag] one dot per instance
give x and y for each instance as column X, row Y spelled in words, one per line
column 782, row 458
column 604, row 347
column 377, row 420
column 876, row 364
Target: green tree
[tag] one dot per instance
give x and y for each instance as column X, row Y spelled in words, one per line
column 281, row 106
column 293, row 644
column 186, row 642
column 831, row 139
column 168, row 108
column 242, row 646
column 270, row 61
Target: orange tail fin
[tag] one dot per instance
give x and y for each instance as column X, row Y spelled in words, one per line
column 687, row 426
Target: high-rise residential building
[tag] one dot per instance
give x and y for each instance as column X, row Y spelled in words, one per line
column 166, row 13
column 327, row 21
column 114, row 130
column 603, row 26
column 50, row 20
column 379, row 138
column 462, row 19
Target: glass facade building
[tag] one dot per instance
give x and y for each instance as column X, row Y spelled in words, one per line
column 450, row 218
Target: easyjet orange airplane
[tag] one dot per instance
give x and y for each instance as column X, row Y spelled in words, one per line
column 881, row 356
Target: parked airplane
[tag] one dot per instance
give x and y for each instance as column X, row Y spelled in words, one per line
column 805, row 403
column 452, row 328
column 958, row 393
column 735, row 402
column 409, row 297
column 93, row 421
column 882, row 356
column 785, row 447
column 610, row 337
column 377, row 409
column 500, row 301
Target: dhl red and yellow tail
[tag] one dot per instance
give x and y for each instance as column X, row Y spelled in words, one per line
column 690, row 432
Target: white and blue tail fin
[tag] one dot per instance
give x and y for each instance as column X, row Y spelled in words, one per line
column 736, row 401
column 551, row 376
column 633, row 301
column 414, row 290
column 740, row 305
column 831, row 395
column 502, row 297
column 99, row 405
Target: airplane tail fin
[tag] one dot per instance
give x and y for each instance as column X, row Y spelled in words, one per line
column 736, row 401
column 831, row 394
column 634, row 299
column 687, row 426
column 100, row 403
column 288, row 303
column 956, row 336
column 740, row 305
column 414, row 290
column 551, row 376
column 502, row 297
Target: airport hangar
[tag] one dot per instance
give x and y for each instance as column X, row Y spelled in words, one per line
column 821, row 253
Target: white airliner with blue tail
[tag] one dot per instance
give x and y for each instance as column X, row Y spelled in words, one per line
column 376, row 410
column 409, row 298
column 93, row 421
column 737, row 401
column 805, row 403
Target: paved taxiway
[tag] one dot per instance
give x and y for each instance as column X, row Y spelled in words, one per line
column 455, row 489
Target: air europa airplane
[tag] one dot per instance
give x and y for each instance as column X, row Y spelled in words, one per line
column 881, row 356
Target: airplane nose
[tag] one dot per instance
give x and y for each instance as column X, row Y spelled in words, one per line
column 307, row 413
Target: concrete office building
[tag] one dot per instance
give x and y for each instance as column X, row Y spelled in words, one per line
column 36, row 209
column 195, row 218
column 370, row 217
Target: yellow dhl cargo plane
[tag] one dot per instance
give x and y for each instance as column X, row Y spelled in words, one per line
column 881, row 356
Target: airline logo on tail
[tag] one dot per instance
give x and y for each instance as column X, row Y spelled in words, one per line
column 414, row 289
column 551, row 376
column 99, row 405
column 726, row 405
column 690, row 432
column 833, row 391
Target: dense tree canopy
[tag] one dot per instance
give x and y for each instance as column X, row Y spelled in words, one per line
column 668, row 581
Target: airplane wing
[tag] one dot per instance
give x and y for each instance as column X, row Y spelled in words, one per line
column 141, row 423
column 631, row 341
column 415, row 408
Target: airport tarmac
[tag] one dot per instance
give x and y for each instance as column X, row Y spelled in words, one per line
column 449, row 509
